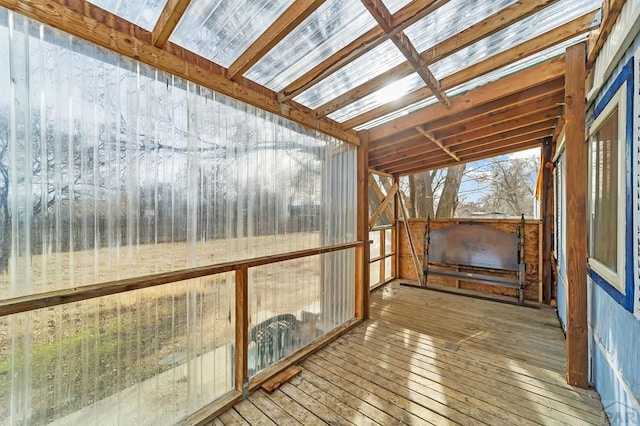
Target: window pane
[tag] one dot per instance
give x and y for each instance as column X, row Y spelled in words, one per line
column 604, row 215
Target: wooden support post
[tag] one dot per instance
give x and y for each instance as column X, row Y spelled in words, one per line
column 242, row 331
column 395, row 235
column 576, row 158
column 362, row 252
column 382, row 254
column 547, row 219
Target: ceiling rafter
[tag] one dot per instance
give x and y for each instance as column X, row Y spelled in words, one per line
column 551, row 38
column 433, row 139
column 168, row 21
column 499, row 127
column 502, row 147
column 534, row 76
column 490, row 142
column 402, row 19
column 281, row 27
column 417, row 144
column 474, row 33
column 105, row 29
column 514, row 105
column 384, row 18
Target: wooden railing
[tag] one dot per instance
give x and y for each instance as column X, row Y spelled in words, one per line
column 243, row 383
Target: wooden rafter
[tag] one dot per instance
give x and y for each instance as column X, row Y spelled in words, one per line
column 549, row 115
column 290, row 19
column 505, row 108
column 476, row 32
column 565, row 32
column 402, row 19
column 433, row 139
column 505, row 140
column 168, row 21
column 534, row 76
column 105, row 29
column 407, row 169
column 384, row 18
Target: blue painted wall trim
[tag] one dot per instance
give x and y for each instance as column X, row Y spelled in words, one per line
column 625, row 76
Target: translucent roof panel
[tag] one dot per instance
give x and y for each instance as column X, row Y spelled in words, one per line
column 387, row 94
column 330, row 28
column 363, row 69
column 479, row 81
column 143, row 13
column 529, row 61
column 533, row 26
column 450, row 19
column 221, row 30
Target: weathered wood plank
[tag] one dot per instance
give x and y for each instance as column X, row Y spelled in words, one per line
column 576, row 188
column 279, row 29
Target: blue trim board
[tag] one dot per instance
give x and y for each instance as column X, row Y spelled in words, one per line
column 626, row 300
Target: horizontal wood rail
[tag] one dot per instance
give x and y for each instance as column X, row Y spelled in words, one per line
column 375, row 259
column 60, row 297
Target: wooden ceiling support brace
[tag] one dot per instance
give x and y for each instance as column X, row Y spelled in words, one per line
column 384, row 18
column 433, row 139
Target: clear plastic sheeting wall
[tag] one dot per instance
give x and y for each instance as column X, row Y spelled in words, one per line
column 148, row 357
column 111, row 169
column 293, row 303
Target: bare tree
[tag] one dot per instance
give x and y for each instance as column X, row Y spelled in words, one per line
column 434, row 193
column 511, row 186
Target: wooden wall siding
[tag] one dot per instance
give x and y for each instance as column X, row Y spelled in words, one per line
column 532, row 255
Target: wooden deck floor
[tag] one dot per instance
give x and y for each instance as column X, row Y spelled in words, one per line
column 432, row 358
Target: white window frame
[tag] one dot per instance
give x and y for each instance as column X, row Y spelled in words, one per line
column 616, row 279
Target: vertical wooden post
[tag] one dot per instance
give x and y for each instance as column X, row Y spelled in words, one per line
column 547, row 220
column 383, row 243
column 576, row 158
column 242, row 329
column 362, row 252
column 395, row 234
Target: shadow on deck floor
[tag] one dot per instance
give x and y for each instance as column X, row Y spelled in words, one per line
column 432, row 358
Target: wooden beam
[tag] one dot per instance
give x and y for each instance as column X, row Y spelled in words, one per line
column 402, row 19
column 546, row 118
column 105, row 29
column 612, row 9
column 419, row 168
column 547, row 219
column 279, row 29
column 383, row 206
column 421, row 94
column 576, row 188
column 514, row 83
column 381, row 14
column 558, row 129
column 391, row 164
column 361, row 308
column 517, row 102
column 48, row 299
column 168, row 21
column 433, row 139
column 242, row 332
column 476, row 32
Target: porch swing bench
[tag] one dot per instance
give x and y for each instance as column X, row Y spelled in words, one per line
column 478, row 253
